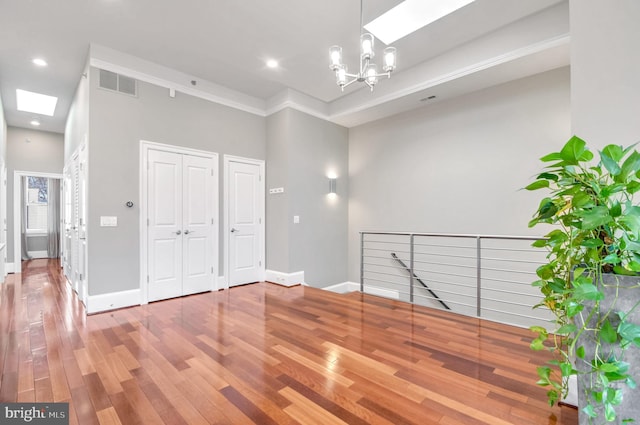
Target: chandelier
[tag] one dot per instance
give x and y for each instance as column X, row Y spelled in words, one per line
column 368, row 72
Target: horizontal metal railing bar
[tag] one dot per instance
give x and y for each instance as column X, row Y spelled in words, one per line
column 489, row 248
column 445, row 255
column 494, row 269
column 511, row 260
column 526, row 316
column 505, row 291
column 515, row 282
column 448, row 302
column 506, row 302
column 403, row 277
column 404, row 283
column 432, row 245
column 455, row 235
column 386, row 250
column 445, row 274
column 464, row 266
column 386, row 242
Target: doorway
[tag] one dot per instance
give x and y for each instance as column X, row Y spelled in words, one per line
column 244, row 193
column 179, row 221
column 36, row 216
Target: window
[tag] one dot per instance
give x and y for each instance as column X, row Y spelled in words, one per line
column 37, row 204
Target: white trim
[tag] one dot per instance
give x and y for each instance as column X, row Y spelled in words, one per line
column 284, row 279
column 112, row 301
column 554, row 42
column 9, row 268
column 38, row 254
column 17, row 208
column 220, row 283
column 161, row 76
column 343, row 288
column 145, row 146
column 227, row 159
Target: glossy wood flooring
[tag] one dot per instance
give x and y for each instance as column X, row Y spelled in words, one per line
column 263, row 354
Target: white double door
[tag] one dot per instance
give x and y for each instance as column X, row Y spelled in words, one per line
column 180, row 224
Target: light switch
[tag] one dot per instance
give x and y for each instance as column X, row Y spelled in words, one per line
column 296, row 219
column 108, row 221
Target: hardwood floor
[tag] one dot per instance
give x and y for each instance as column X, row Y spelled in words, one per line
column 263, row 354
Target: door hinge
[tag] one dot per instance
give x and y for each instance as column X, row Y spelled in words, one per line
column 211, row 269
column 211, row 220
column 147, row 278
column 147, row 222
column 80, row 277
column 260, row 263
column 212, row 172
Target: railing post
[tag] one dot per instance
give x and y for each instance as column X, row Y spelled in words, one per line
column 411, row 273
column 478, row 275
column 362, row 262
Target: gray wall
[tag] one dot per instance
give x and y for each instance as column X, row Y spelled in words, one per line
column 457, row 166
column 302, row 152
column 117, row 123
column 43, row 153
column 605, row 71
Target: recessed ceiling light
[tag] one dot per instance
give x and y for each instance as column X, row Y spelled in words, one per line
column 410, row 16
column 36, row 103
column 272, row 63
column 35, row 123
column 39, row 62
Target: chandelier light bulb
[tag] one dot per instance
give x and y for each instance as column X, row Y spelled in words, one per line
column 366, row 45
column 335, row 54
column 389, row 59
column 341, row 75
column 372, row 75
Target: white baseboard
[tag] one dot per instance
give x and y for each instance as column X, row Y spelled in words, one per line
column 112, row 301
column 9, row 268
column 343, row 288
column 284, row 279
column 38, row 254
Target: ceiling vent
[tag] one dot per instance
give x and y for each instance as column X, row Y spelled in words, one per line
column 117, row 82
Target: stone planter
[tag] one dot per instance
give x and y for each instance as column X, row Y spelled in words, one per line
column 627, row 298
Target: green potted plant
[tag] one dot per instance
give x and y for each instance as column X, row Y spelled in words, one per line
column 590, row 282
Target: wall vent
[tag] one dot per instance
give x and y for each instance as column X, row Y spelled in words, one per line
column 117, row 82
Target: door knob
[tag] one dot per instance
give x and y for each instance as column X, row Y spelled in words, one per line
column 186, row 232
column 178, row 232
column 233, row 229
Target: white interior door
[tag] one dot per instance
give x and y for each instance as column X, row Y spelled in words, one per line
column 165, row 225
column 180, row 229
column 83, row 286
column 74, row 276
column 197, row 224
column 245, row 210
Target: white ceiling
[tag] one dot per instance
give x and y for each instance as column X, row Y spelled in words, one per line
column 226, row 42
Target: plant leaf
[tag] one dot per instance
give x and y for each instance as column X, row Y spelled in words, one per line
column 609, row 163
column 607, row 332
column 588, row 291
column 538, row 184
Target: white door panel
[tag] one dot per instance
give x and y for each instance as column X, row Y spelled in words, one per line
column 245, row 223
column 197, row 198
column 165, row 230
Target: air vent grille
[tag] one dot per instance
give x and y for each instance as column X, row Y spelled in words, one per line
column 117, row 82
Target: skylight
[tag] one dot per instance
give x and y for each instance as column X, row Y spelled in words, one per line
column 410, row 16
column 35, row 102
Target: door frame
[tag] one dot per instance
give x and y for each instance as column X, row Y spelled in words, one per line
column 261, row 205
column 17, row 213
column 145, row 147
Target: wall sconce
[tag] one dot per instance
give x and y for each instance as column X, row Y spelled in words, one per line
column 332, row 186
